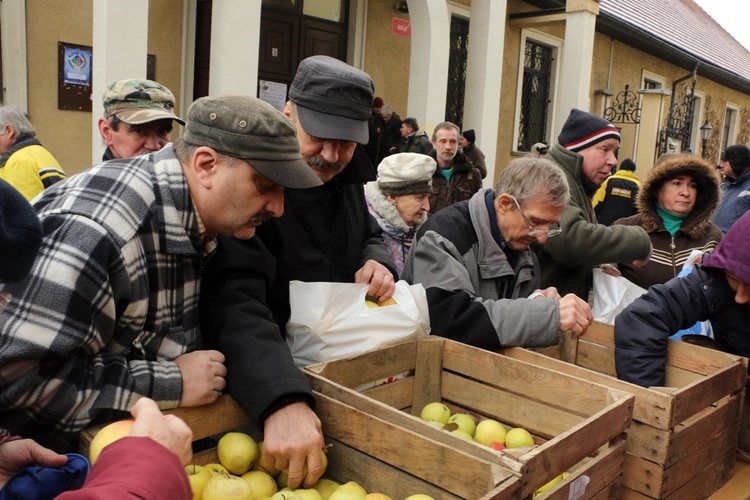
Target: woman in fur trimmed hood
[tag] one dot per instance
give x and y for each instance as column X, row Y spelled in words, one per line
column 675, row 205
column 399, row 200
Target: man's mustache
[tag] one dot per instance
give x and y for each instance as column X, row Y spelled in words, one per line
column 261, row 217
column 320, row 162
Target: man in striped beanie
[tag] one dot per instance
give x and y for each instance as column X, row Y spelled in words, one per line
column 585, row 150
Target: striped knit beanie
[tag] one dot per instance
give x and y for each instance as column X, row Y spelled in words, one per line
column 582, row 130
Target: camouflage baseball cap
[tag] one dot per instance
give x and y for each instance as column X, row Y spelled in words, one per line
column 139, row 101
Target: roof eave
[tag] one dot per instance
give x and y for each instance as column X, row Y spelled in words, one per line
column 643, row 40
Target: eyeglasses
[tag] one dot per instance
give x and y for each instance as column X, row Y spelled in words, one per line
column 534, row 232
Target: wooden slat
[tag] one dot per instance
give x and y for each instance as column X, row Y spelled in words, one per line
column 700, row 431
column 382, row 363
column 602, row 471
column 426, row 382
column 691, row 399
column 396, row 394
column 709, row 480
column 577, row 395
column 348, row 464
column 651, row 407
column 567, row 449
column 512, row 409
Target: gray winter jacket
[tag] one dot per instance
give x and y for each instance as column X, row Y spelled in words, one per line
column 475, row 295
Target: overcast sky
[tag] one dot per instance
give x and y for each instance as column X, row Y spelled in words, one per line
column 732, row 15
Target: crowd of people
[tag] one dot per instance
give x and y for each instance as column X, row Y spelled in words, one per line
column 160, row 277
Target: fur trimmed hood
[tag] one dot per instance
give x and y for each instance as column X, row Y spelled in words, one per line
column 707, row 199
column 387, row 211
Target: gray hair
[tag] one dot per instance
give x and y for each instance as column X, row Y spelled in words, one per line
column 184, row 152
column 386, row 109
column 446, row 125
column 528, row 178
column 13, row 116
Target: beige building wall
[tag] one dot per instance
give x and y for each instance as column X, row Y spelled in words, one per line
column 67, row 134
column 387, row 56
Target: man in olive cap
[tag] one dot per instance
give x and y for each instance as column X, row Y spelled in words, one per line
column 735, row 190
column 109, row 311
column 138, row 116
column 325, row 234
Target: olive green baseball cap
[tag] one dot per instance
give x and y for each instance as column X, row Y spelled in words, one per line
column 250, row 129
column 139, row 101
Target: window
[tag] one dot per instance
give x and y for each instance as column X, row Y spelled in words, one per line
column 459, row 50
column 729, row 133
column 698, row 120
column 536, row 90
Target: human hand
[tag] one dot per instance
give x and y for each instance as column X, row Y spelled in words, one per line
column 610, row 269
column 203, row 375
column 547, row 293
column 15, row 455
column 575, row 315
column 167, row 430
column 643, row 262
column 292, row 435
column 380, row 279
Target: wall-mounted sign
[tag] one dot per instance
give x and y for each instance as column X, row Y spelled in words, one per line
column 74, row 76
column 401, row 27
column 273, row 93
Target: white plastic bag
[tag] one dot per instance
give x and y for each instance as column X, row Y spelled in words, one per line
column 331, row 320
column 612, row 295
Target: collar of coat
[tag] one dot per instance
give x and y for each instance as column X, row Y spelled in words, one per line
column 461, row 163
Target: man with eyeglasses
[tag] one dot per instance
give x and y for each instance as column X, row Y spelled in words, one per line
column 325, row 234
column 586, row 153
column 482, row 279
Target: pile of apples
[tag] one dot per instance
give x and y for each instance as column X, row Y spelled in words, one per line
column 488, row 432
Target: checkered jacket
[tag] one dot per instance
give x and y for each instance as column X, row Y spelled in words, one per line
column 110, row 302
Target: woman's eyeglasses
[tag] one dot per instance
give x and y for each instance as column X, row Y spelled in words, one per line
column 534, row 232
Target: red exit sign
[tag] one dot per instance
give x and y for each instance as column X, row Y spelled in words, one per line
column 401, row 27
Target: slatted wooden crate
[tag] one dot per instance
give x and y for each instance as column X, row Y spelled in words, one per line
column 578, row 425
column 682, row 442
column 379, row 455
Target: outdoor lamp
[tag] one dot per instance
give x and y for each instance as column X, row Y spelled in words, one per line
column 706, row 129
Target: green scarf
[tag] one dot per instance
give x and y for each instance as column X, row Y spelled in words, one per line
column 447, row 172
column 672, row 222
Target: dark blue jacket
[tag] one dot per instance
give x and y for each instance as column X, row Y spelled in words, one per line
column 642, row 329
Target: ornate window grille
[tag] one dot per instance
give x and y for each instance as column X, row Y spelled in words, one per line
column 459, row 45
column 537, row 73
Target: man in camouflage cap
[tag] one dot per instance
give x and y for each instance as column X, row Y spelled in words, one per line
column 138, row 117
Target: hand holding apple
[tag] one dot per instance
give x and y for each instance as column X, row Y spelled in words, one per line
column 167, row 430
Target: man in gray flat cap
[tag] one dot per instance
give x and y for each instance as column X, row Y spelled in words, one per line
column 109, row 311
column 325, row 234
column 138, row 118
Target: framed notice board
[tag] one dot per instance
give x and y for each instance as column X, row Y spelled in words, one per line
column 74, row 76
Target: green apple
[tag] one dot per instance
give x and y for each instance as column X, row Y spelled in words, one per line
column 489, row 431
column 308, row 494
column 550, row 484
column 108, row 435
column 377, row 496
column 286, row 495
column 436, row 411
column 216, row 469
column 262, row 464
column 419, row 496
column 465, row 422
column 518, row 438
column 223, row 487
column 198, row 477
column 325, row 487
column 262, row 483
column 237, row 452
column 462, row 434
column 340, row 494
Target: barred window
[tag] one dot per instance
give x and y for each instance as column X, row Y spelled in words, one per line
column 459, row 49
column 535, row 95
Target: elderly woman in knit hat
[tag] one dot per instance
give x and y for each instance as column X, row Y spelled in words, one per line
column 399, row 200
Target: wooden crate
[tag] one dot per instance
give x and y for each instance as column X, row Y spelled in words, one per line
column 379, row 455
column 578, row 425
column 681, row 444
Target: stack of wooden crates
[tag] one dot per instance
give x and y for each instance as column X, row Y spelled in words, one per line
column 681, row 444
